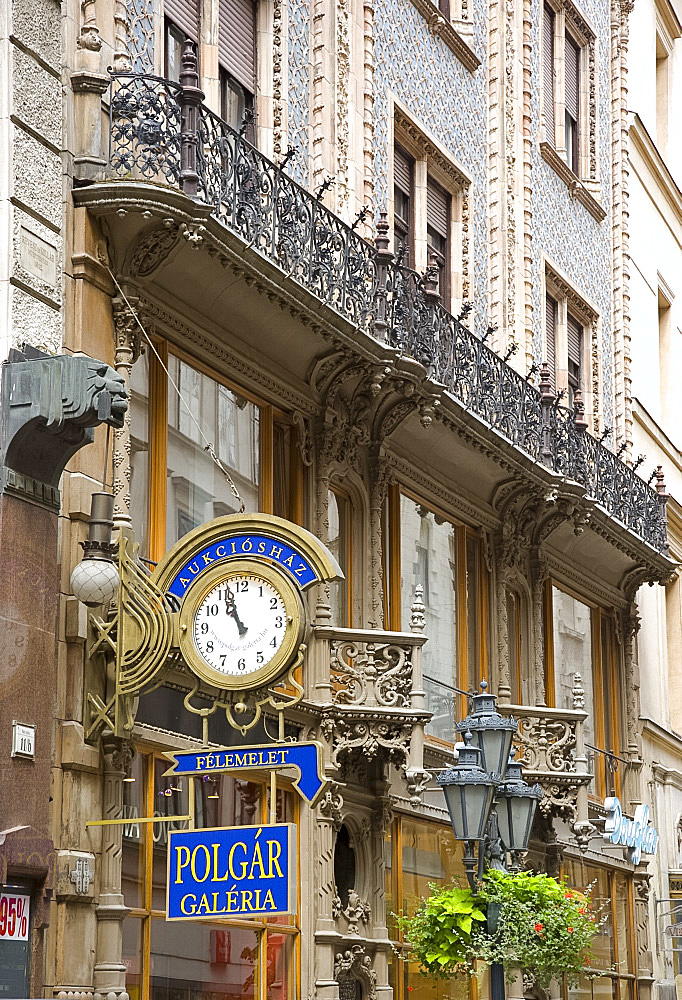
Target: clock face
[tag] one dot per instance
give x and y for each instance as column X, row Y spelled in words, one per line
column 240, row 625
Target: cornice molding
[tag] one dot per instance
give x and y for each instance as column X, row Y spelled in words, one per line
column 443, row 28
column 647, row 149
column 575, row 186
column 428, row 148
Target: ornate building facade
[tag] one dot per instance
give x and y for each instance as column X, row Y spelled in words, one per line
column 371, row 261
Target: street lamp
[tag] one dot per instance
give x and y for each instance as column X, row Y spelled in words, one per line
column 490, row 804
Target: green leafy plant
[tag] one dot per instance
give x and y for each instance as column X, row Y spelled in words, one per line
column 520, row 920
column 441, row 931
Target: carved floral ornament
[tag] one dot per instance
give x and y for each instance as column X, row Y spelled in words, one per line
column 356, row 964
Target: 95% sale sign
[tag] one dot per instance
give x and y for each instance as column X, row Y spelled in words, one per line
column 14, row 910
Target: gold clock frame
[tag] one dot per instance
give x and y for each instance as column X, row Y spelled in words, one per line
column 295, row 625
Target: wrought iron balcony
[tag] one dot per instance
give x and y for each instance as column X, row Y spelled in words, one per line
column 162, row 133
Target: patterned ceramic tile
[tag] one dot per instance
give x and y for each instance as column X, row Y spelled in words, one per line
column 298, row 95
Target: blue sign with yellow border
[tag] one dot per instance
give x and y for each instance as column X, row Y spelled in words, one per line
column 237, row 871
column 262, row 546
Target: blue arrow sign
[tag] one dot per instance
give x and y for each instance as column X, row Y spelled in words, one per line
column 303, row 756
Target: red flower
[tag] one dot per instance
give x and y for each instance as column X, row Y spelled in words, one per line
column 581, row 911
column 409, row 989
column 587, row 961
column 569, row 895
column 570, row 930
column 538, row 928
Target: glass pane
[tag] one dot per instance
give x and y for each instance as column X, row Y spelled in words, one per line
column 428, row 547
column 139, row 450
column 225, row 801
column 430, row 854
column 197, row 489
column 132, row 939
column 286, row 813
column 171, row 798
column 202, row 960
column 573, row 654
column 340, row 520
column 388, row 867
column 132, row 873
column 281, row 968
column 611, row 700
column 427, row 988
column 281, row 471
column 625, row 959
column 582, row 876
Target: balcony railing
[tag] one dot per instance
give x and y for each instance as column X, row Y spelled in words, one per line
column 162, row 133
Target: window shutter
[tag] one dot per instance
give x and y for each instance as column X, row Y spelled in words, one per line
column 237, row 40
column 402, row 171
column 550, row 336
column 437, row 209
column 574, row 333
column 184, row 14
column 548, row 70
column 572, row 77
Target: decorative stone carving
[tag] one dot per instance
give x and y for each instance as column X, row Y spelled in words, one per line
column 368, row 673
column 374, row 736
column 417, row 782
column 153, row 249
column 357, row 911
column 356, row 964
column 75, row 875
column 330, row 805
column 127, row 347
column 51, row 406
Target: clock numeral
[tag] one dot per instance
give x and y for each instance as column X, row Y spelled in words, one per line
column 211, row 609
column 279, row 621
column 209, row 646
column 242, row 586
column 204, row 628
column 241, row 664
column 259, row 657
column 274, row 643
column 273, row 603
column 223, row 658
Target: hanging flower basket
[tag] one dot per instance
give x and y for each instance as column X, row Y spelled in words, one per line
column 520, row 920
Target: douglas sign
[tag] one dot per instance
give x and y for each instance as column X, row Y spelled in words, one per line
column 637, row 834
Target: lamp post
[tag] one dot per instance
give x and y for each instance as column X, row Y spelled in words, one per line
column 491, row 807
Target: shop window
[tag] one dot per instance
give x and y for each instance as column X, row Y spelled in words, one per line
column 613, row 951
column 582, row 642
column 230, row 958
column 340, row 541
column 446, row 560
column 416, row 853
column 175, row 484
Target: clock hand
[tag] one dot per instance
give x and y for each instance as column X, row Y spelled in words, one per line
column 231, row 609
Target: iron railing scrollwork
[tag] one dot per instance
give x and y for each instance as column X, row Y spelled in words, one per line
column 161, row 132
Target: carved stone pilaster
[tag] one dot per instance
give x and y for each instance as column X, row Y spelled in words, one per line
column 645, row 963
column 127, row 347
column 539, row 574
column 110, row 971
column 328, row 825
column 122, row 63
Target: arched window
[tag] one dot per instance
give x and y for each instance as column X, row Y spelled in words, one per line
column 344, row 865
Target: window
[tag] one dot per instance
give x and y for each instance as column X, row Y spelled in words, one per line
column 340, row 542
column 237, row 60
column 569, row 87
column 581, row 650
column 570, row 324
column 446, row 560
column 430, row 201
column 438, row 231
column 249, row 959
column 175, row 484
column 403, row 173
column 613, row 951
column 417, row 852
column 181, row 22
column 517, row 646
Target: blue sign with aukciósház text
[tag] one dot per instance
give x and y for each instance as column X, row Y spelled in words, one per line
column 237, row 871
column 259, row 546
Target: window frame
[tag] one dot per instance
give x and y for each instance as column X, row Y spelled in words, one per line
column 392, row 563
column 607, row 676
column 569, row 22
column 146, row 913
column 157, row 431
column 348, row 508
column 569, row 305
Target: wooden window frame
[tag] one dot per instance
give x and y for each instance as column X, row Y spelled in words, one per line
column 393, row 588
column 605, row 677
column 338, row 490
column 158, row 443
column 146, row 913
column 570, row 306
